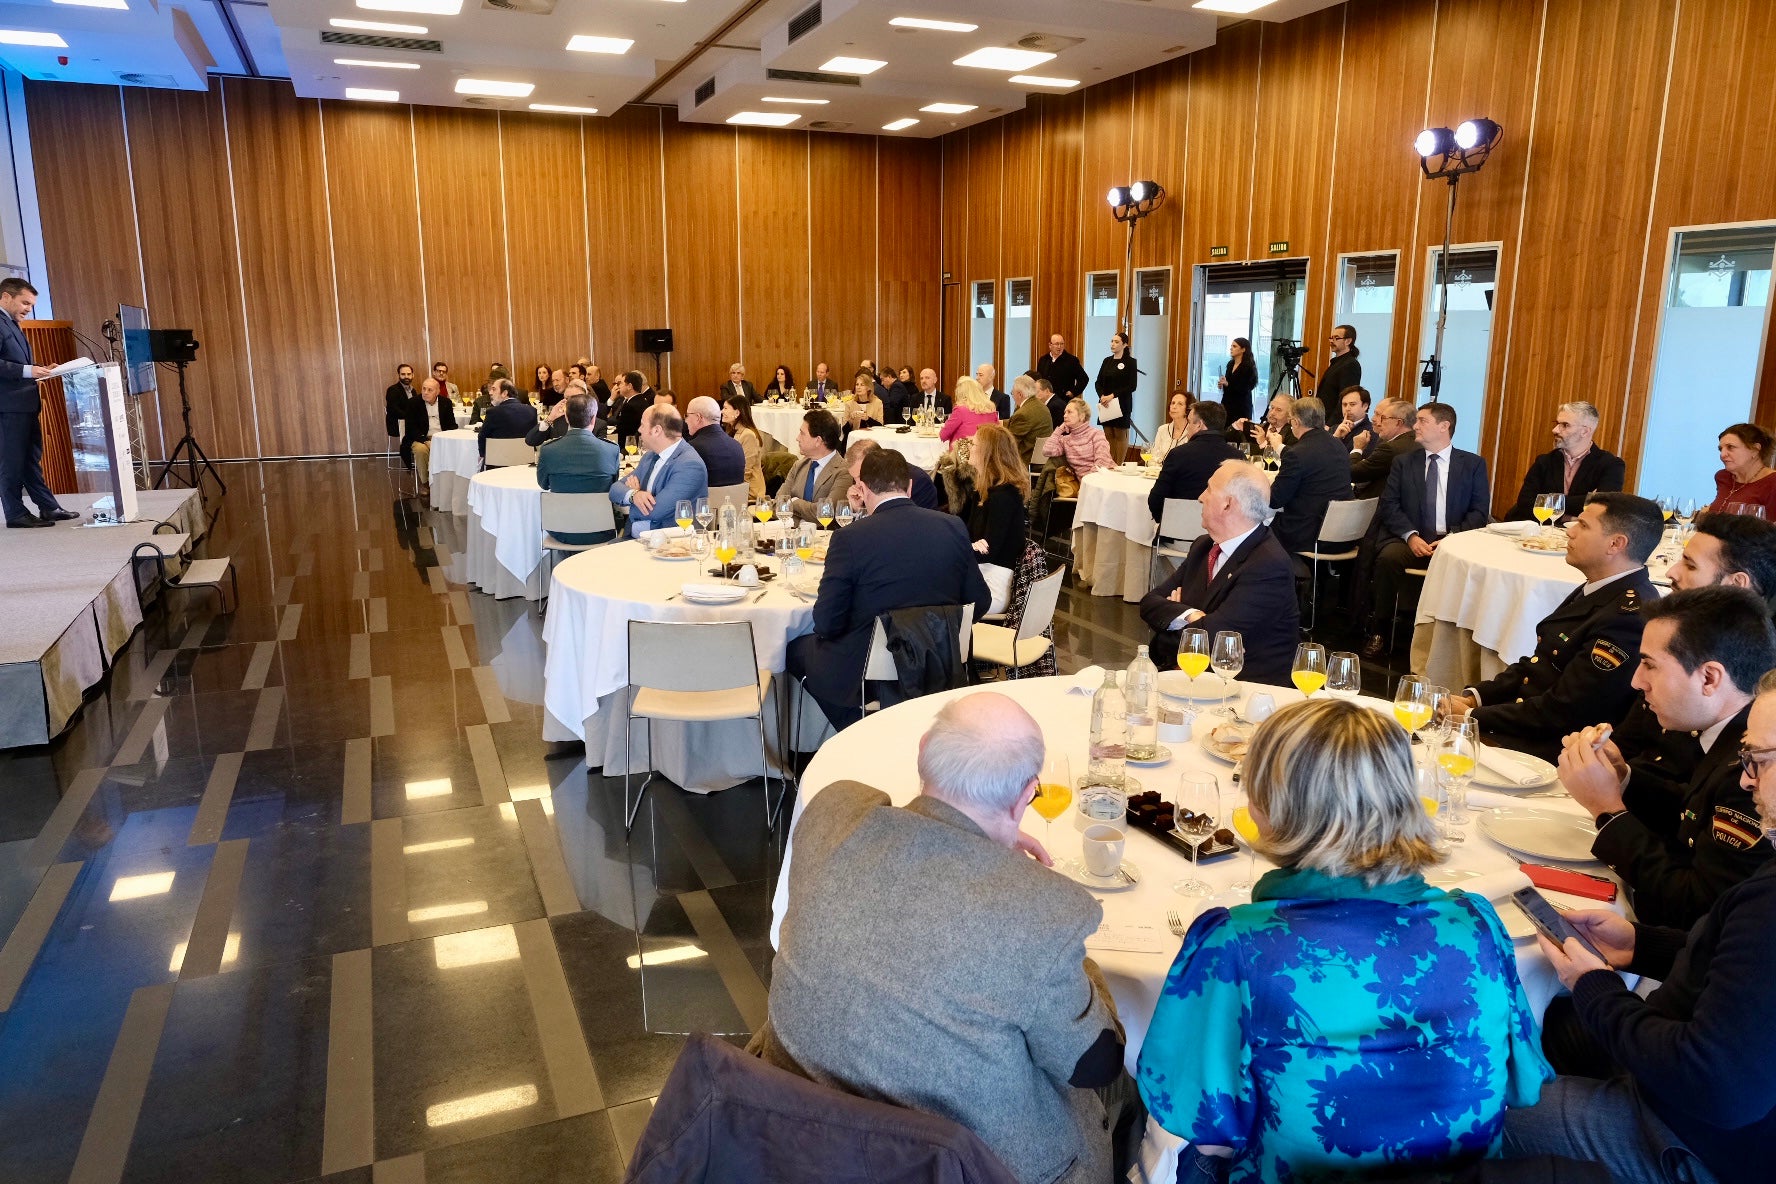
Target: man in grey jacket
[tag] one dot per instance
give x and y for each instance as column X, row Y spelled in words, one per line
column 927, row 959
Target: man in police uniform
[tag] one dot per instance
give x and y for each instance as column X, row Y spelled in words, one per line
column 1582, row 670
column 1701, row 656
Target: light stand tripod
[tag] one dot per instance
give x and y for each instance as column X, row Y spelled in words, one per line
column 1450, row 155
column 194, row 454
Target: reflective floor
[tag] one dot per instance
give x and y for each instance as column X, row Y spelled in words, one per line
column 303, row 895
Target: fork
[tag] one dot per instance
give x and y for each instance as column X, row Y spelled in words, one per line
column 1175, row 923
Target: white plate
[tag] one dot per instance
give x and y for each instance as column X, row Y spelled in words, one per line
column 706, row 594
column 1541, row 834
column 1074, row 870
column 1550, row 774
column 676, row 558
column 1209, row 688
column 1528, row 550
column 1516, row 921
column 1159, row 758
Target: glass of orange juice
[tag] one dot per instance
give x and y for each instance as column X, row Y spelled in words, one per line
column 1193, row 652
column 1456, row 760
column 1054, row 791
column 1309, row 671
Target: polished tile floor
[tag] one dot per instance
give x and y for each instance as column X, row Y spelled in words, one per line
column 303, row 895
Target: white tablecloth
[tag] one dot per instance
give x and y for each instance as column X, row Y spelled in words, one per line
column 505, row 551
column 455, row 459
column 782, row 421
column 1113, row 534
column 594, row 596
column 922, row 451
column 1118, row 499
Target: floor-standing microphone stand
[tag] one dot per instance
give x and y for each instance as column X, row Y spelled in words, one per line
column 194, row 455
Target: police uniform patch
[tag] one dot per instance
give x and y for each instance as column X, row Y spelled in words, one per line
column 1735, row 829
column 1606, row 655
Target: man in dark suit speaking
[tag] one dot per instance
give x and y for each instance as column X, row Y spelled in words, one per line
column 21, row 435
column 899, row 557
column 1236, row 577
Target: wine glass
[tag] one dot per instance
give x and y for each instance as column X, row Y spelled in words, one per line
column 1667, row 506
column 1686, row 510
column 763, row 509
column 1414, row 703
column 1198, row 805
column 704, row 514
column 1344, row 675
column 906, row 415
column 683, row 514
column 1309, row 672
column 1193, row 653
column 823, row 513
column 632, row 445
column 1247, row 829
column 804, row 543
column 785, row 505
column 845, row 515
column 1054, row 792
column 1456, row 759
column 1542, row 510
column 726, row 547
column 1229, row 658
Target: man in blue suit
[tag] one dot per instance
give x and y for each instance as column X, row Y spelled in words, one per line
column 1432, row 491
column 578, row 462
column 671, row 472
column 509, row 418
column 21, row 435
column 900, row 556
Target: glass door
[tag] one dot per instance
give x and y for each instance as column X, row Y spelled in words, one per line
column 1103, row 292
column 1467, row 336
column 1019, row 331
column 1366, row 303
column 1151, row 343
column 980, row 330
column 1712, row 330
column 1266, row 303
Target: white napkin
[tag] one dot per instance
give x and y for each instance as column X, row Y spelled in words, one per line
column 708, row 591
column 1516, row 530
column 1087, row 681
column 1132, row 939
column 665, row 532
column 1488, row 799
column 1505, row 764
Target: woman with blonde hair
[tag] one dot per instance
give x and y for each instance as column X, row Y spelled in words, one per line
column 1081, row 447
column 1352, row 1017
column 997, row 518
column 737, row 422
column 863, row 406
column 973, row 407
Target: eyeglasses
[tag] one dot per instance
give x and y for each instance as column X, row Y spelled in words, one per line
column 1752, row 761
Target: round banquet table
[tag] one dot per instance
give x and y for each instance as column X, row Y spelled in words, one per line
column 782, row 421
column 1113, row 533
column 456, row 458
column 594, row 596
column 922, row 451
column 882, row 751
column 505, row 533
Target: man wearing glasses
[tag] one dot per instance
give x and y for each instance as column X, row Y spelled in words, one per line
column 1679, row 846
column 1343, row 370
column 1392, row 439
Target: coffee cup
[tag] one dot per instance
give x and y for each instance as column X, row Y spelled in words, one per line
column 749, row 576
column 1260, row 706
column 1102, row 848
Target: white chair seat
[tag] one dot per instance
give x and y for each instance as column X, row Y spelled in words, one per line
column 1418, row 571
column 701, row 706
column 1328, row 556
column 203, row 571
column 551, row 543
column 993, row 643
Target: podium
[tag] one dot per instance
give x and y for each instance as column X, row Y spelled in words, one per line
column 96, row 408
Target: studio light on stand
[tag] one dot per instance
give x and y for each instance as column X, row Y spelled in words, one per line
column 1130, row 204
column 1450, row 155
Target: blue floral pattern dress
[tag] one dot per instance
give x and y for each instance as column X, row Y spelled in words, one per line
column 1332, row 1027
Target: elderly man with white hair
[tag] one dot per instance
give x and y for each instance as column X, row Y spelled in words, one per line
column 723, row 456
column 1237, row 577
column 928, row 960
column 1576, row 466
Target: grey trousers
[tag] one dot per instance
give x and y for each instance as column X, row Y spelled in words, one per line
column 1605, row 1122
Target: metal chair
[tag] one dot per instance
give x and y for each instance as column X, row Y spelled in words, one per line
column 572, row 513
column 509, row 452
column 879, row 665
column 1180, row 524
column 729, row 495
column 1017, row 647
column 1345, row 522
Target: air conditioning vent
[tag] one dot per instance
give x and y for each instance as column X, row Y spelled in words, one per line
column 164, row 80
column 850, row 80
column 490, row 102
column 704, row 93
column 803, row 23
column 1047, row 42
column 539, row 7
column 829, row 125
column 371, row 41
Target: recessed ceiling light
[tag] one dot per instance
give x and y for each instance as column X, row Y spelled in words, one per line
column 493, row 88
column 999, row 57
column 27, row 37
column 582, row 43
column 372, row 95
column 803, row 102
column 95, row 3
column 377, row 64
column 949, row 108
column 919, row 22
column 844, row 65
column 340, row 22
column 899, row 125
column 1231, row 6
column 558, row 109
column 1045, row 80
column 763, row 118
column 429, row 7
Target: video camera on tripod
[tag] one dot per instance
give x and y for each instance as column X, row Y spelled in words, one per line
column 1290, row 352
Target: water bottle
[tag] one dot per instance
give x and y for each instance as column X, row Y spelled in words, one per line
column 1140, row 686
column 1104, row 797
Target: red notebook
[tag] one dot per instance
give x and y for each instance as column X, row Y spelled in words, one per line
column 1555, row 879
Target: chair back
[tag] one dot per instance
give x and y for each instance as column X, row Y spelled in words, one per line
column 729, row 495
column 966, row 638
column 577, row 513
column 1181, row 519
column 692, row 656
column 1347, row 521
column 1037, row 461
column 509, row 452
column 879, row 666
column 1039, row 606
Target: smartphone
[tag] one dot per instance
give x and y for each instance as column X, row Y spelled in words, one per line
column 1547, row 919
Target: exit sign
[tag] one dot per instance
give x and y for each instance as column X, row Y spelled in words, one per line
column 1280, row 247
column 1217, row 252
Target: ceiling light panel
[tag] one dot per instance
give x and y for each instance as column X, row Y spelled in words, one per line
column 370, row 94
column 583, row 43
column 340, row 22
column 1043, row 80
column 949, row 108
column 845, row 65
column 32, row 37
column 763, row 118
column 1232, row 7
column 802, row 102
column 378, row 65
column 428, row 7
column 559, row 109
column 998, row 57
column 919, row 22
column 493, row 88
column 118, row 4
column 899, row 125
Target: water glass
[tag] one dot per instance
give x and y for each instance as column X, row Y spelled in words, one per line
column 1199, row 794
column 1228, row 657
column 1344, row 676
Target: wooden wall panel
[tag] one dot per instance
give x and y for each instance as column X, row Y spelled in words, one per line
column 1060, row 288
column 545, row 242
column 1020, row 221
column 908, row 285
column 1218, row 169
column 626, row 256
column 702, row 256
column 285, row 254
column 953, row 354
column 1107, row 141
column 462, row 240
column 379, row 272
column 774, row 278
column 1161, row 117
column 185, row 208
column 842, row 171
column 986, row 240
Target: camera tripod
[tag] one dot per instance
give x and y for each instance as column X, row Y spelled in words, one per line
column 194, row 455
column 1289, row 380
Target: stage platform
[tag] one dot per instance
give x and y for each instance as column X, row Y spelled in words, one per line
column 67, row 605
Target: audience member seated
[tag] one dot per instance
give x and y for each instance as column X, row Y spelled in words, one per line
column 1237, row 577
column 824, row 385
column 1351, row 1018
column 724, row 458
column 395, row 400
column 509, row 417
column 1354, row 408
column 899, row 556
column 1675, row 1086
column 820, row 475
column 987, row 375
column 1274, row 432
column 1736, row 550
column 637, row 396
column 1678, row 846
column 1576, row 466
column 1194, row 459
column 997, row 519
column 1055, row 401
column 781, row 386
column 1746, row 478
column 557, row 388
column 928, row 394
column 1081, row 446
column 482, row 405
column 927, row 960
column 1432, row 491
column 1588, row 649
column 922, row 490
column 973, row 408
column 555, row 425
column 1373, row 453
column 897, row 396
column 426, row 415
column 579, row 462
column 446, row 388
column 671, row 472
column 737, row 422
column 1314, row 473
column 736, row 385
column 1029, row 422
column 1175, row 430
column 542, row 390
column 600, row 391
column 863, row 407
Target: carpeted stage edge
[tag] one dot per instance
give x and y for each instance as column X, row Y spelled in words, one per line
column 67, row 605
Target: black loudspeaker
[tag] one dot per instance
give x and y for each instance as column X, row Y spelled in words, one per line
column 171, row 345
column 653, row 341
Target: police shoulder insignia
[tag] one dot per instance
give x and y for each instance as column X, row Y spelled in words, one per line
column 1630, row 602
column 1606, row 655
column 1735, row 829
